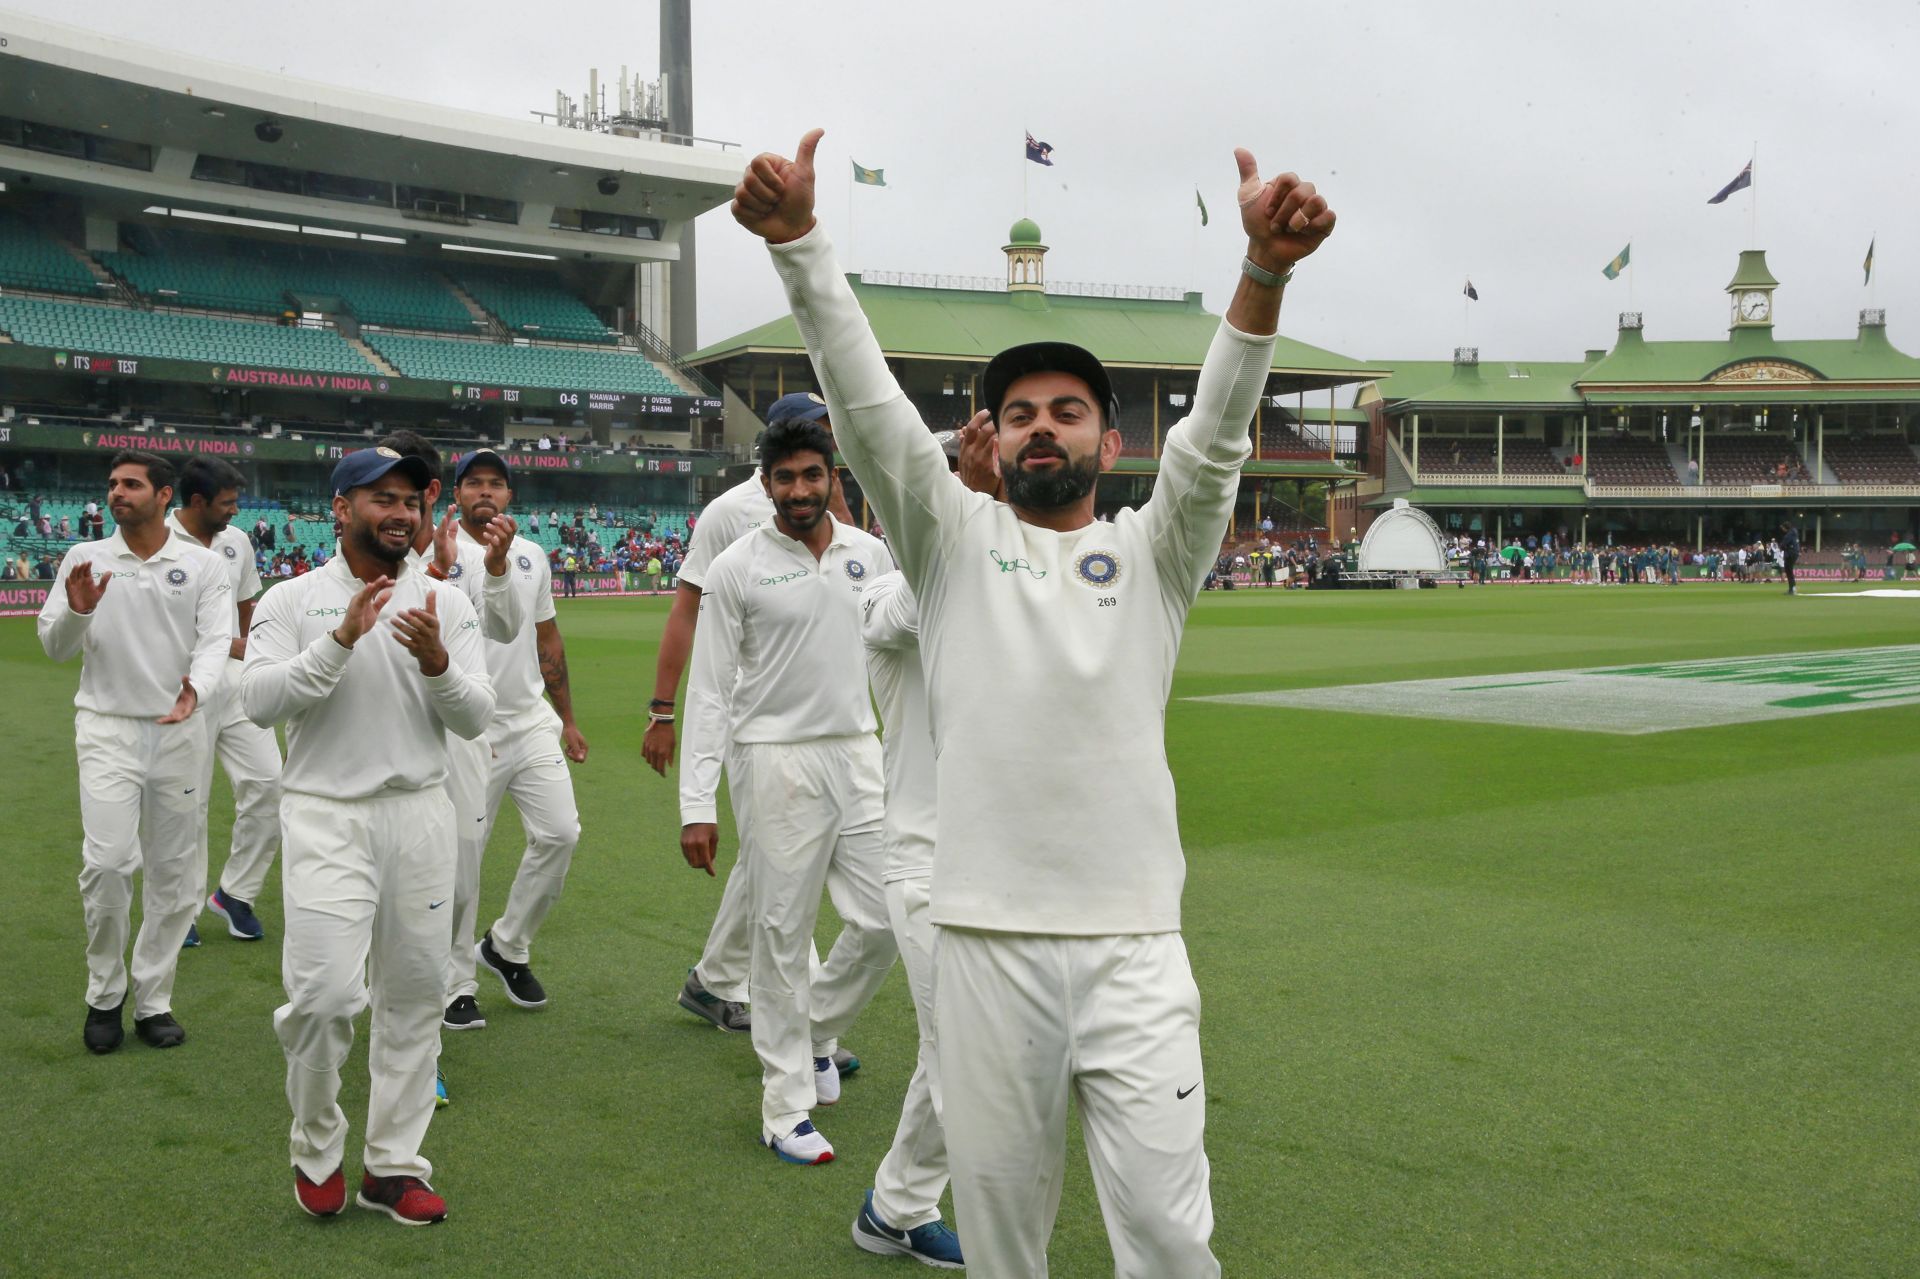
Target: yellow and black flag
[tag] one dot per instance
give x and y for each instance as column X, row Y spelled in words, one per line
column 1868, row 264
column 869, row 177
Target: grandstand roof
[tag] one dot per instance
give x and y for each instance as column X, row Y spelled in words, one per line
column 976, row 324
column 1489, row 384
column 186, row 107
column 1869, row 356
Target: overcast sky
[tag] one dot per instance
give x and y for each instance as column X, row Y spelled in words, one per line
column 1521, row 144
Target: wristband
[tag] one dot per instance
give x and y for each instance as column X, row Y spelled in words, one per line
column 653, row 718
column 433, row 571
column 1260, row 275
column 661, row 701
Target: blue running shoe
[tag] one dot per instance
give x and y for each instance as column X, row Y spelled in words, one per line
column 933, row 1243
column 241, row 921
column 193, row 937
column 440, row 1098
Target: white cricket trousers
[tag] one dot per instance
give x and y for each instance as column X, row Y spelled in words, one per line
column 469, row 765
column 365, row 883
column 908, row 1184
column 139, row 810
column 250, row 755
column 1024, row 1023
column 809, row 816
column 530, row 765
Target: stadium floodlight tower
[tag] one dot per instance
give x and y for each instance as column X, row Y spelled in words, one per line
column 1403, row 546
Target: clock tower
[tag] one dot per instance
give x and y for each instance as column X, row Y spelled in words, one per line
column 1751, row 290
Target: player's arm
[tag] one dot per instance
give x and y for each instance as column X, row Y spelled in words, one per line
column 68, row 610
column 249, row 596
column 553, row 673
column 716, row 666
column 886, row 445
column 676, row 641
column 281, row 677
column 213, row 640
column 890, row 616
column 1285, row 220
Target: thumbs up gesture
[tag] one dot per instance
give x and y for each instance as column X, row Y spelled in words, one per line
column 775, row 197
column 1285, row 219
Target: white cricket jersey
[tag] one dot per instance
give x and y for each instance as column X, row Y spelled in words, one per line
column 162, row 619
column 777, row 655
column 890, row 624
column 492, row 598
column 1048, row 656
column 364, row 720
column 728, row 518
column 518, row 688
column 236, row 550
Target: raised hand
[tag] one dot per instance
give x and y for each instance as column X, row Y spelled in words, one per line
column 84, row 590
column 1285, row 219
column 498, row 538
column 979, row 458
column 446, row 541
column 363, row 610
column 418, row 631
column 700, row 844
column 183, row 705
column 775, row 197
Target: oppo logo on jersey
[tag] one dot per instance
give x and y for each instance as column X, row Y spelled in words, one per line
column 326, row 612
column 784, row 578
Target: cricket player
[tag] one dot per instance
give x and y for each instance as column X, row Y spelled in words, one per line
column 209, row 493
column 371, row 664
column 901, row 1213
column 779, row 683
column 150, row 617
column 531, row 741
column 1048, row 641
column 716, row 988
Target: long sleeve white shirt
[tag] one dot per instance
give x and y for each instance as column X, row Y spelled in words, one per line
column 235, row 550
column 727, row 519
column 514, row 665
column 1048, row 656
column 890, row 624
column 493, row 598
column 777, row 656
column 363, row 720
column 162, row 619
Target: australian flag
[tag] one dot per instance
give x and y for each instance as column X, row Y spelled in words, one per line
column 1740, row 183
column 1473, row 294
column 1039, row 152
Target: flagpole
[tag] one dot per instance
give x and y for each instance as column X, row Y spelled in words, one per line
column 1753, row 196
column 1630, row 305
column 852, row 261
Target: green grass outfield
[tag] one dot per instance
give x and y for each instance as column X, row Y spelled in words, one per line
column 1480, row 1000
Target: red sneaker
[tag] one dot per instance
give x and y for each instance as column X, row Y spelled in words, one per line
column 320, row 1199
column 408, row 1200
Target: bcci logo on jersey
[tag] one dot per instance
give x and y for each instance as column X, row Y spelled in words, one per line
column 856, row 570
column 525, row 564
column 176, row 577
column 1098, row 568
column 227, row 551
column 453, row 574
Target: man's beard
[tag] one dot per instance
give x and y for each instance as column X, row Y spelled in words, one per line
column 805, row 522
column 366, row 540
column 1053, row 488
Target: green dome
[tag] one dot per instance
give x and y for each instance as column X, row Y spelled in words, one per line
column 1025, row 231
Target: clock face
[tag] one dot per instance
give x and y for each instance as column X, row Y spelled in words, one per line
column 1754, row 306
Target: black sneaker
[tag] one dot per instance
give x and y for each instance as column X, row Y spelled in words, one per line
column 463, row 1014
column 523, row 988
column 103, row 1032
column 159, row 1031
column 701, row 1002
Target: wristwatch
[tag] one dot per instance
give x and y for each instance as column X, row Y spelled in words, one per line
column 1260, row 275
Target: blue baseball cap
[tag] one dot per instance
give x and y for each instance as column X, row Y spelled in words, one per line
column 364, row 466
column 801, row 406
column 486, row 456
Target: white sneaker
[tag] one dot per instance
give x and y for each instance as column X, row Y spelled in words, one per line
column 804, row 1145
column 826, row 1081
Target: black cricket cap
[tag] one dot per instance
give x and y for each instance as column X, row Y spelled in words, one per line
column 1016, row 362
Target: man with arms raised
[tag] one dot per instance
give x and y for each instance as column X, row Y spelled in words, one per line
column 209, row 493
column 151, row 618
column 780, row 685
column 1048, row 641
column 371, row 666
column 531, row 741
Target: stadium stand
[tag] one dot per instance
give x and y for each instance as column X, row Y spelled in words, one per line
column 1873, row 460
column 119, row 331
column 32, row 259
column 570, row 368
column 1630, row 462
column 1279, row 439
column 535, row 305
column 1753, row 459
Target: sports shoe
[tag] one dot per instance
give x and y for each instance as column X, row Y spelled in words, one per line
column 440, row 1098
column 193, row 937
column 320, row 1199
column 723, row 1013
column 845, row 1062
column 159, row 1031
column 408, row 1200
column 241, row 921
column 103, row 1032
column 826, row 1081
column 523, row 988
column 463, row 1014
column 932, row 1243
column 804, row 1145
